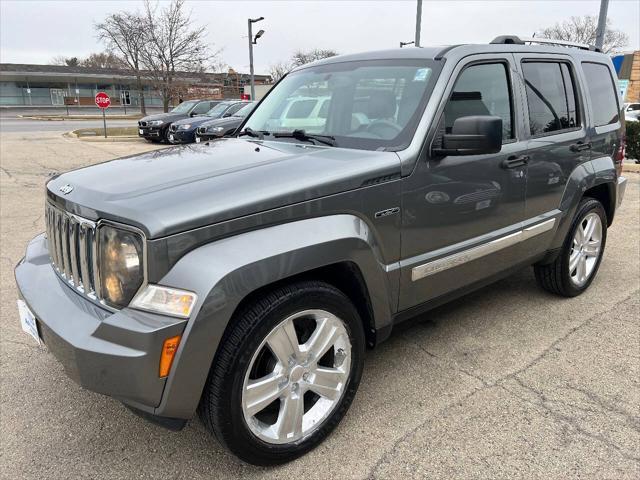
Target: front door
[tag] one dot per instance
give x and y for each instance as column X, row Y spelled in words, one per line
column 125, row 97
column 462, row 214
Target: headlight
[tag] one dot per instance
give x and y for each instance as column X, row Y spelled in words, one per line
column 185, row 126
column 165, row 300
column 155, row 123
column 120, row 264
column 215, row 129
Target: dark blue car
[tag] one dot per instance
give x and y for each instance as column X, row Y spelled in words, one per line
column 184, row 131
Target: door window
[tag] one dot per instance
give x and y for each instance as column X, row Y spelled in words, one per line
column 233, row 109
column 301, row 108
column 481, row 90
column 202, row 107
column 602, row 92
column 551, row 97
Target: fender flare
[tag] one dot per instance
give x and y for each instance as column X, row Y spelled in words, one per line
column 599, row 171
column 224, row 272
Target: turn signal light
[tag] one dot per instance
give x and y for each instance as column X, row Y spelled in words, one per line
column 169, row 349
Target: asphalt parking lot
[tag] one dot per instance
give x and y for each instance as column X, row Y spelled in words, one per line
column 509, row 382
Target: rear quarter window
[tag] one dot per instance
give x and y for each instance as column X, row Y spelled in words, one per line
column 602, row 92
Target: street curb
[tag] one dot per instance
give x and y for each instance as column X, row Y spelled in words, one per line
column 101, row 139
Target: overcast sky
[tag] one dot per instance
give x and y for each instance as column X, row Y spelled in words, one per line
column 35, row 31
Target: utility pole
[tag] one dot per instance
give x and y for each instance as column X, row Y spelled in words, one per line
column 418, row 23
column 602, row 23
column 252, row 41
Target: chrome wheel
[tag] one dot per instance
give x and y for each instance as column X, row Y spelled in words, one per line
column 585, row 249
column 296, row 377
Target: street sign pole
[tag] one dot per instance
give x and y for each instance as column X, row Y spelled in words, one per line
column 103, row 102
column 602, row 23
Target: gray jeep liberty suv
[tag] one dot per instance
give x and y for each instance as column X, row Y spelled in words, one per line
column 243, row 278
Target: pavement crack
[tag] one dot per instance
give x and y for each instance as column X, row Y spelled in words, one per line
column 552, row 347
column 448, row 363
column 572, row 422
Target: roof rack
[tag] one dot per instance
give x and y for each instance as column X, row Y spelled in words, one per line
column 515, row 40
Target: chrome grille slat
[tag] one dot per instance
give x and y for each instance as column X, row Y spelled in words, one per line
column 64, row 239
column 83, row 250
column 57, row 234
column 72, row 249
column 94, row 264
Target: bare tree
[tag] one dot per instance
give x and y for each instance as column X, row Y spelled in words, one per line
column 123, row 34
column 300, row 57
column 104, row 60
column 279, row 70
column 583, row 30
column 62, row 60
column 172, row 46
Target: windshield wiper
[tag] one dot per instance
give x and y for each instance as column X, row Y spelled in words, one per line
column 302, row 135
column 253, row 133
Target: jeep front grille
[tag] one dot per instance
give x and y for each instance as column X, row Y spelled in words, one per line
column 73, row 251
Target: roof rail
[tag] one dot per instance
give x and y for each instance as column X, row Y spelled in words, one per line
column 515, row 40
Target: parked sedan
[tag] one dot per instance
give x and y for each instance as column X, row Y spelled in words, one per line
column 155, row 128
column 222, row 127
column 184, row 131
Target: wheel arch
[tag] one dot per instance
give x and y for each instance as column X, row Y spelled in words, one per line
column 346, row 276
column 338, row 249
column 595, row 178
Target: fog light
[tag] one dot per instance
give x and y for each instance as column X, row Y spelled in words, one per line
column 169, row 349
column 165, row 300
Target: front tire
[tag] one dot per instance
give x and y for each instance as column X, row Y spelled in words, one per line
column 576, row 266
column 285, row 373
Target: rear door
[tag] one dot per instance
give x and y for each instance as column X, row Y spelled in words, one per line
column 558, row 140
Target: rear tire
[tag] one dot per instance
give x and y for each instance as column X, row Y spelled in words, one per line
column 576, row 266
column 313, row 385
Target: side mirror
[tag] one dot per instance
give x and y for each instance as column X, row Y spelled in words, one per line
column 473, row 135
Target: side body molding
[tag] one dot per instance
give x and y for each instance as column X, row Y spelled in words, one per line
column 224, row 272
column 587, row 175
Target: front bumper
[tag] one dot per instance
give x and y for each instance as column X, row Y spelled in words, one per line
column 116, row 354
column 182, row 136
column 153, row 133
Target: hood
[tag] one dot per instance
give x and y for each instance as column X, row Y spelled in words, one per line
column 166, row 117
column 177, row 189
column 194, row 121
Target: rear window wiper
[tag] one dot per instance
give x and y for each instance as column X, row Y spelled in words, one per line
column 302, row 135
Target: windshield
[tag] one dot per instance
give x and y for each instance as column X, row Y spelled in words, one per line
column 218, row 110
column 184, row 107
column 244, row 111
column 367, row 104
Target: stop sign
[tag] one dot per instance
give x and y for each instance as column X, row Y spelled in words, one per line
column 102, row 100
